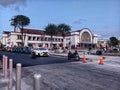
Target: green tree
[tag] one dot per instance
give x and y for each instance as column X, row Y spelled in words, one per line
column 20, row 21
column 51, row 29
column 114, row 41
column 14, row 23
column 64, row 29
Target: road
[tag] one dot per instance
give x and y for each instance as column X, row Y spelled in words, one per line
column 26, row 60
column 60, row 74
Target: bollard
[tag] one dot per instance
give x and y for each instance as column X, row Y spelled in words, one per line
column 18, row 77
column 5, row 67
column 11, row 74
column 37, row 78
column 3, row 64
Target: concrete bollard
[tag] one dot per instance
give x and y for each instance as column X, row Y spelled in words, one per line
column 5, row 67
column 37, row 78
column 11, row 74
column 3, row 64
column 18, row 77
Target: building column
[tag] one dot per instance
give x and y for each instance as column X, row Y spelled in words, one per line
column 26, row 41
column 49, row 45
column 64, row 42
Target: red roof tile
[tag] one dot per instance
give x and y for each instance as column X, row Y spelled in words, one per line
column 33, row 31
column 39, row 32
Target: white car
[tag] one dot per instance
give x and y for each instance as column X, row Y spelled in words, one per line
column 40, row 51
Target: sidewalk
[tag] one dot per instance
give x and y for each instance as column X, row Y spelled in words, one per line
column 3, row 82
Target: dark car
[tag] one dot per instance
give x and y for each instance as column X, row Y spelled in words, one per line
column 115, row 50
column 27, row 50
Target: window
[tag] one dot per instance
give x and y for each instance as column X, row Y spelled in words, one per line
column 49, row 39
column 38, row 38
column 34, row 38
column 56, row 39
column 45, row 39
column 19, row 37
column 29, row 38
column 86, row 37
column 59, row 39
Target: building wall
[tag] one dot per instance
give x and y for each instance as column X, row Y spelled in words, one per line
column 84, row 38
column 44, row 40
column 74, row 38
column 4, row 39
column 13, row 38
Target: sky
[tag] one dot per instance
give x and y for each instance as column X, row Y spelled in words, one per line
column 100, row 16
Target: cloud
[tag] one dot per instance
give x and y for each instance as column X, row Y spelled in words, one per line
column 110, row 33
column 79, row 21
column 15, row 3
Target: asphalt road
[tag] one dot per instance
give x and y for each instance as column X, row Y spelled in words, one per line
column 26, row 60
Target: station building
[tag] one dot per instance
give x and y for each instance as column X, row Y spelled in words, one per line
column 83, row 39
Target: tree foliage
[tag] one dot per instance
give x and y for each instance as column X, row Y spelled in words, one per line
column 14, row 23
column 51, row 29
column 114, row 41
column 20, row 21
column 64, row 29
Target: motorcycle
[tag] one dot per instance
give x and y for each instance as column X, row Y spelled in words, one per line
column 74, row 55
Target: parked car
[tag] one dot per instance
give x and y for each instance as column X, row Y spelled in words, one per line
column 3, row 49
column 9, row 49
column 115, row 50
column 19, row 50
column 40, row 51
column 96, row 52
column 27, row 50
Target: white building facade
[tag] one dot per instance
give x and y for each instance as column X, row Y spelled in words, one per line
column 82, row 38
column 4, row 38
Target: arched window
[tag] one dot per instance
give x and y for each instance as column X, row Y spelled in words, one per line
column 85, row 37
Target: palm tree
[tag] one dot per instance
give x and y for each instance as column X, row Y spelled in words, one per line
column 20, row 21
column 51, row 29
column 64, row 29
column 14, row 23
